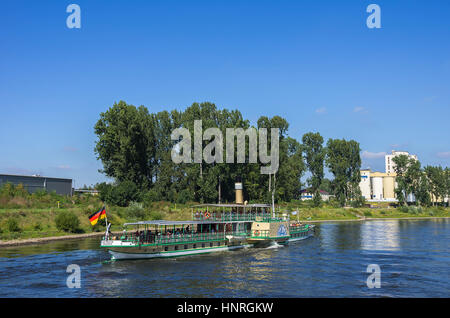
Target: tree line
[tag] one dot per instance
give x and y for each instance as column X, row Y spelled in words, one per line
column 134, row 146
column 428, row 185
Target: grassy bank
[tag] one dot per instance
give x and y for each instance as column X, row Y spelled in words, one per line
column 41, row 222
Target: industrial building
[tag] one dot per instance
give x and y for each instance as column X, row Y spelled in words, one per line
column 377, row 186
column 380, row 186
column 35, row 183
column 390, row 165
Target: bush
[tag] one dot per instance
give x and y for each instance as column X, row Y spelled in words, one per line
column 152, row 196
column 10, row 190
column 156, row 215
column 67, row 221
column 13, row 225
column 120, row 194
column 135, row 211
column 184, row 196
column 404, row 209
column 367, row 213
column 358, row 202
column 37, row 226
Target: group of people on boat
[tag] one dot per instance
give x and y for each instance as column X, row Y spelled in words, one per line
column 214, row 215
column 149, row 236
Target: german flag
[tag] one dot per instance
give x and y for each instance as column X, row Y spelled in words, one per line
column 101, row 214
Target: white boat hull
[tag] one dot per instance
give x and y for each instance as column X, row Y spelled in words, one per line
column 124, row 255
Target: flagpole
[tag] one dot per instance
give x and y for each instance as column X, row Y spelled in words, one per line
column 106, row 220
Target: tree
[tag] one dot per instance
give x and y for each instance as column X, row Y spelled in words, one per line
column 126, row 143
column 400, row 168
column 344, row 161
column 314, row 156
column 437, row 181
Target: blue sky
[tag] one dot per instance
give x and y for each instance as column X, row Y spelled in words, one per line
column 313, row 62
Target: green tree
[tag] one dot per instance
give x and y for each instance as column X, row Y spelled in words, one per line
column 126, row 143
column 314, row 156
column 437, row 181
column 344, row 162
column 400, row 168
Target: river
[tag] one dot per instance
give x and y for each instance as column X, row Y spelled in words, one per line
column 413, row 257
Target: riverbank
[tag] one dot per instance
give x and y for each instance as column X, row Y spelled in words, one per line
column 43, row 240
column 35, row 225
column 379, row 219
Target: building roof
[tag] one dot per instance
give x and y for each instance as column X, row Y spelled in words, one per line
column 310, row 191
column 36, row 176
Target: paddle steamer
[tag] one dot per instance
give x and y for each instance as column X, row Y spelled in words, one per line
column 213, row 228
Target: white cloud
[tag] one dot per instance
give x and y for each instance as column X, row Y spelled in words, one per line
column 321, row 110
column 372, row 155
column 359, row 109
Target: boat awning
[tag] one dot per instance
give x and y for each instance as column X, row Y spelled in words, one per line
column 164, row 222
column 232, row 205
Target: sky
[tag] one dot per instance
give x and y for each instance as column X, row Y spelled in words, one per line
column 315, row 63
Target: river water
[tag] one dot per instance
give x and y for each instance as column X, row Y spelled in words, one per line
column 413, row 257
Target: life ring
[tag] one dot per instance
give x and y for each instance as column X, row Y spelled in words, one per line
column 207, row 215
column 256, row 233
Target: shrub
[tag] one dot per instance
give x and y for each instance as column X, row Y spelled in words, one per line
column 67, row 221
column 13, row 225
column 184, row 196
column 37, row 226
column 404, row 209
column 135, row 211
column 120, row 194
column 367, row 213
column 152, row 196
column 156, row 215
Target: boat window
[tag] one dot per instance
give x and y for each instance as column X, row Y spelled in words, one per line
column 176, row 247
column 166, row 248
column 185, row 247
column 194, row 246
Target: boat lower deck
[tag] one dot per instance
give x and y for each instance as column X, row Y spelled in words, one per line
column 122, row 254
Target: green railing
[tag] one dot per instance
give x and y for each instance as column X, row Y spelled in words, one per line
column 177, row 238
column 299, row 229
column 188, row 238
column 230, row 217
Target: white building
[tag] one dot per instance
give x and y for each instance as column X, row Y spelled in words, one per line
column 377, row 186
column 389, row 164
column 307, row 194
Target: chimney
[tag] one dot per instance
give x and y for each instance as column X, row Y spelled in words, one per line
column 238, row 188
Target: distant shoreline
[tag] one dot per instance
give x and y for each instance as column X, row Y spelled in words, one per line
column 377, row 219
column 43, row 240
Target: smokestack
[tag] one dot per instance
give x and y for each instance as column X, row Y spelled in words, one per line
column 239, row 196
